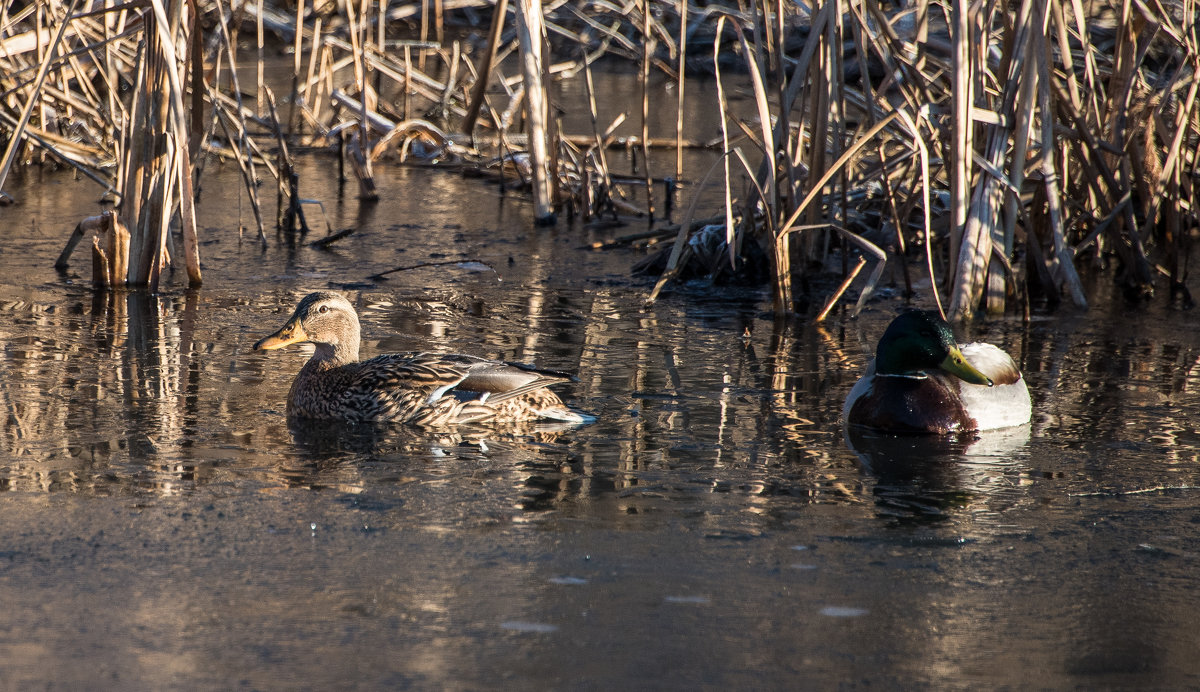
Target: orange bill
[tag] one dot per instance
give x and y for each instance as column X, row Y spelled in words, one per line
column 290, row 333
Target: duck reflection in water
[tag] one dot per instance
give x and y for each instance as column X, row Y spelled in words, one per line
column 933, row 422
column 929, row 476
column 323, row 438
column 356, row 457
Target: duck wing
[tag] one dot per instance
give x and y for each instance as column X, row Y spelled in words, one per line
column 439, row 387
column 499, row 380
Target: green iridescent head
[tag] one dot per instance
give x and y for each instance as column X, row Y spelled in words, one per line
column 919, row 341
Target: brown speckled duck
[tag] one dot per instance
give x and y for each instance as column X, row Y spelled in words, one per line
column 427, row 389
column 923, row 382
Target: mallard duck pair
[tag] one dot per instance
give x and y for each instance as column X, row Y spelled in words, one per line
column 920, row 382
column 426, row 389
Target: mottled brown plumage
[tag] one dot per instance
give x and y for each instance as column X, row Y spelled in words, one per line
column 428, row 389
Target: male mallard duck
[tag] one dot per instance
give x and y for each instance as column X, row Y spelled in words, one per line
column 922, row 382
column 429, row 389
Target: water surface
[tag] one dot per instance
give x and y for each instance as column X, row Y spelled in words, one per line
column 714, row 529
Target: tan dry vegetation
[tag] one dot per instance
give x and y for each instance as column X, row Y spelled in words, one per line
column 1005, row 144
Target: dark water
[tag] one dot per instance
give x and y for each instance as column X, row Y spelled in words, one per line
column 714, row 529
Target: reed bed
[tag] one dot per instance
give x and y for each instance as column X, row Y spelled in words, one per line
column 991, row 151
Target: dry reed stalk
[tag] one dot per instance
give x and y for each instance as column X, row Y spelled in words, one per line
column 961, row 141
column 836, row 40
column 260, row 82
column 424, row 34
column 531, row 34
column 604, row 197
column 356, row 151
column 452, row 79
column 1024, row 108
column 407, row 80
column 91, row 224
column 767, row 173
column 245, row 160
column 297, row 54
column 148, row 188
column 311, row 80
column 360, row 140
column 439, row 22
column 1065, row 264
column 644, row 79
column 782, row 294
column 680, row 250
column 926, row 212
column 381, row 39
column 841, row 289
column 682, row 82
column 982, row 230
column 292, row 212
column 483, row 72
column 101, row 267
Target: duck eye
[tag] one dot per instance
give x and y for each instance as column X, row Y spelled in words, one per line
column 323, row 309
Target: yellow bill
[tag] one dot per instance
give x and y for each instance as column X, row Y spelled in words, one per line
column 956, row 364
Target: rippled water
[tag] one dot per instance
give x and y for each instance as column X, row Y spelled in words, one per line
column 715, row 528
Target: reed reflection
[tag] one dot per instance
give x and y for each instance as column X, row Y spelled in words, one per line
column 114, row 395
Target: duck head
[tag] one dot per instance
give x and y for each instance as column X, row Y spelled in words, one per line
column 324, row 319
column 917, row 342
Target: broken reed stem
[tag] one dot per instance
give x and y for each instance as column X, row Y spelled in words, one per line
column 423, row 265
column 1065, row 262
column 110, row 249
column 381, row 40
column 841, row 289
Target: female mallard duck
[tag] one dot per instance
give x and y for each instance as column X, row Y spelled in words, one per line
column 922, row 382
column 429, row 389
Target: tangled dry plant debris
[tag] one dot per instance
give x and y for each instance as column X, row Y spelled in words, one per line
column 1006, row 145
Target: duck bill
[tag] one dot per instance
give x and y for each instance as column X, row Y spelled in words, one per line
column 956, row 364
column 290, row 333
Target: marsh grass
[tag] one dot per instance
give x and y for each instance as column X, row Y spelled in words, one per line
column 1006, row 145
